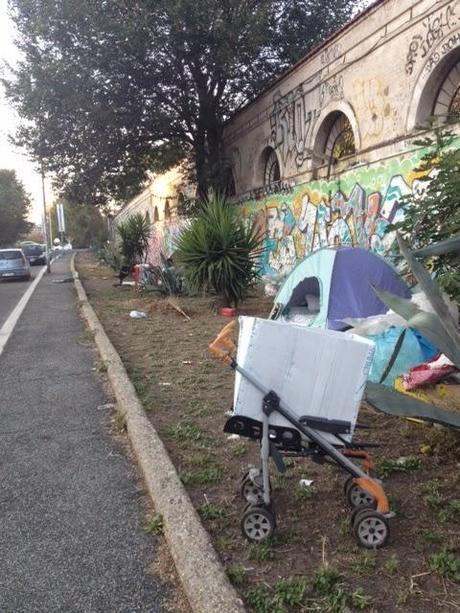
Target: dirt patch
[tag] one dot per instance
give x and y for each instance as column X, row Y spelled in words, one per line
column 313, row 562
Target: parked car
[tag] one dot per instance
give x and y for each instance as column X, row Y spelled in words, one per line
column 35, row 253
column 14, row 264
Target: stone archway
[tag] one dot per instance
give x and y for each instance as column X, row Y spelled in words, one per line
column 436, row 86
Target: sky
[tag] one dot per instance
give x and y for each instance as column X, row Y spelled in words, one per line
column 10, row 156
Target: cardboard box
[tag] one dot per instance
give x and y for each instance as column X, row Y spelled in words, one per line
column 320, row 373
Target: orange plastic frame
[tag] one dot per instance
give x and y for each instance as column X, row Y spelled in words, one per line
column 223, row 347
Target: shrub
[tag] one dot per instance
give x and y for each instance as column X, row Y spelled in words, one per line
column 219, row 253
column 134, row 234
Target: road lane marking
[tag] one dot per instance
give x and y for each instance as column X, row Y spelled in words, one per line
column 9, row 325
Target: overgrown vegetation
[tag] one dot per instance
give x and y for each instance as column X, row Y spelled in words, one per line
column 219, row 252
column 432, row 212
column 134, row 233
column 14, row 208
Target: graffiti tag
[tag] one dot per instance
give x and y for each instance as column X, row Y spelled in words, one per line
column 290, row 124
column 330, row 54
column 435, row 28
column 331, row 90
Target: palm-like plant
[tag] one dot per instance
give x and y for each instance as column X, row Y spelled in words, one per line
column 219, row 252
column 134, row 234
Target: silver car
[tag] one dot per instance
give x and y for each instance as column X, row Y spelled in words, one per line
column 13, row 264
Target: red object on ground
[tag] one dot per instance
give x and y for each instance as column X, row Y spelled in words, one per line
column 429, row 373
column 227, row 312
column 135, row 274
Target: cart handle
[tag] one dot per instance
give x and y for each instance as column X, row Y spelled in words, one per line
column 223, row 348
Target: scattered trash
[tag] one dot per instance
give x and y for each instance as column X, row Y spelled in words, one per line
column 106, row 407
column 128, row 283
column 174, row 303
column 305, row 482
column 429, row 372
column 165, row 384
column 233, row 437
column 66, row 280
column 138, row 315
column 186, row 361
column 425, row 449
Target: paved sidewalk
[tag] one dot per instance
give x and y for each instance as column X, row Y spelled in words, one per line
column 71, row 535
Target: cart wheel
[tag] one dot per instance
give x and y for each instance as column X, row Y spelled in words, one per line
column 252, row 489
column 357, row 510
column 356, row 496
column 258, row 524
column 371, row 529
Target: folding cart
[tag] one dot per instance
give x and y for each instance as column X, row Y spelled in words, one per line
column 301, row 413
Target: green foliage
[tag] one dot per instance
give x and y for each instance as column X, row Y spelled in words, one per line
column 261, row 552
column 14, row 207
column 134, row 234
column 119, row 89
column 218, row 252
column 446, row 564
column 386, row 468
column 237, row 574
column 154, row 525
column 211, row 511
column 110, row 256
column 432, row 213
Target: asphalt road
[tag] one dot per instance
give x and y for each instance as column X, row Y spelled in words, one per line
column 11, row 292
column 71, row 517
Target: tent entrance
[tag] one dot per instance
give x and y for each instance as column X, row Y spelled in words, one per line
column 305, row 302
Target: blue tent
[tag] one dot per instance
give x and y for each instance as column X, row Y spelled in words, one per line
column 333, row 284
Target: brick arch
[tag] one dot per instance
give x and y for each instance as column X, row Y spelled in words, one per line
column 262, row 159
column 429, row 84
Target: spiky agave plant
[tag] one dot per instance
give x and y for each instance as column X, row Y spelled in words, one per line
column 219, row 252
column 439, row 327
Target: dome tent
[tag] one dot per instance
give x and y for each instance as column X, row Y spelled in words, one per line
column 331, row 285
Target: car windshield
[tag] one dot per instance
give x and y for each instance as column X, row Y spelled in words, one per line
column 32, row 249
column 13, row 254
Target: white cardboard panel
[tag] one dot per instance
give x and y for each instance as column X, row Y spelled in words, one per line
column 314, row 372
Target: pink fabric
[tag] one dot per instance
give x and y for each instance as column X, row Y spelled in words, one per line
column 430, row 372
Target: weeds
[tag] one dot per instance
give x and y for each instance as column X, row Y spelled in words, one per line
column 432, row 491
column 237, row 574
column 445, row 564
column 211, row 474
column 386, row 468
column 391, row 565
column 154, row 525
column 261, row 552
column 87, row 336
column 211, row 511
column 360, row 600
column 185, row 430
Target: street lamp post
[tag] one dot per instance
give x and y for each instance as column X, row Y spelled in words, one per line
column 45, row 227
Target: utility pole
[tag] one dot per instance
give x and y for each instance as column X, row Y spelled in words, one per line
column 45, row 228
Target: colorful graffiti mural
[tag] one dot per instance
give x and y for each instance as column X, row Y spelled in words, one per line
column 354, row 209
column 163, row 240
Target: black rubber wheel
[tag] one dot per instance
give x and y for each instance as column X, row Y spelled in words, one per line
column 371, row 529
column 357, row 510
column 252, row 490
column 258, row 524
column 356, row 496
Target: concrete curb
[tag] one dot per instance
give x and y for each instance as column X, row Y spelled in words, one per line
column 203, row 578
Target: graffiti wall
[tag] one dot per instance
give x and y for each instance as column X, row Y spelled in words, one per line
column 163, row 240
column 355, row 209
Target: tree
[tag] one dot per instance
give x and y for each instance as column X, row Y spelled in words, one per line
column 14, row 207
column 134, row 233
column 432, row 212
column 111, row 90
column 85, row 225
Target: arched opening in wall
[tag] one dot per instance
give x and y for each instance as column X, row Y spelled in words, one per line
column 147, row 217
column 447, row 102
column 156, row 216
column 167, row 210
column 440, row 96
column 340, row 141
column 270, row 166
